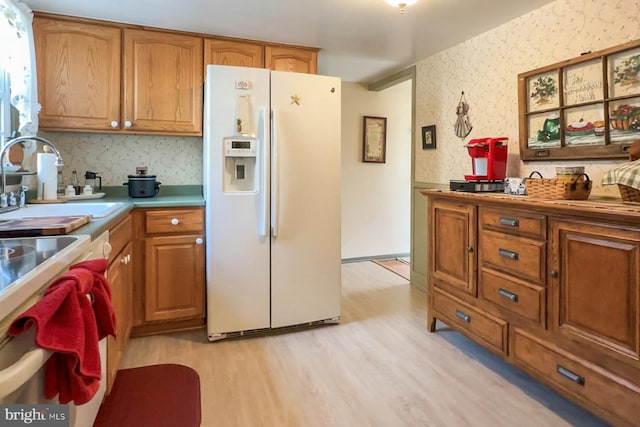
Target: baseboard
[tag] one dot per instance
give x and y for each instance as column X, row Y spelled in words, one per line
column 376, row 257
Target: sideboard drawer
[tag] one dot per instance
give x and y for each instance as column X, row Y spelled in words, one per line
column 519, row 297
column 515, row 255
column 587, row 382
column 482, row 326
column 514, row 221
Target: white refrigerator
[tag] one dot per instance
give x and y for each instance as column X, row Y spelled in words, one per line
column 272, row 146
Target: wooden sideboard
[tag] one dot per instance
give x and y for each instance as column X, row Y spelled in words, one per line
column 552, row 286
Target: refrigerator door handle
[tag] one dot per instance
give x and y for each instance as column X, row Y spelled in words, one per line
column 274, row 175
column 263, row 214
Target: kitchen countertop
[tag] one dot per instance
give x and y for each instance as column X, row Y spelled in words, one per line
column 169, row 197
column 593, row 205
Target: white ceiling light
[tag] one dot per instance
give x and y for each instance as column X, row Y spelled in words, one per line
column 402, row 4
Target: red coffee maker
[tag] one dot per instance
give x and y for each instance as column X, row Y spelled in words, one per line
column 489, row 162
column 489, row 159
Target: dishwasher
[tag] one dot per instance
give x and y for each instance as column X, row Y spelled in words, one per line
column 21, row 362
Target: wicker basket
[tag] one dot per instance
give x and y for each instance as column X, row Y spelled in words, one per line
column 629, row 194
column 551, row 188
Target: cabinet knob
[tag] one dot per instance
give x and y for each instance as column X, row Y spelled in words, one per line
column 115, row 124
column 123, row 260
column 198, row 241
column 469, row 249
column 553, row 274
column 175, row 221
column 127, row 123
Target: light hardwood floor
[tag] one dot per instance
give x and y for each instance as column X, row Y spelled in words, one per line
column 379, row 367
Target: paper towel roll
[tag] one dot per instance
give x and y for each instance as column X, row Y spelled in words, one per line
column 47, row 176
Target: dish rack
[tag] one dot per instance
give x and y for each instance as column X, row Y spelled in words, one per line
column 555, row 189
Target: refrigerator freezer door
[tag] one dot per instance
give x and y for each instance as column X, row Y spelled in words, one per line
column 237, row 246
column 305, row 254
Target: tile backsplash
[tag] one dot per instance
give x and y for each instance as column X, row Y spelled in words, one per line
column 174, row 160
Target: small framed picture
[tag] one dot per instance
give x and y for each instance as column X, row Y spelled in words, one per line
column 428, row 137
column 374, row 139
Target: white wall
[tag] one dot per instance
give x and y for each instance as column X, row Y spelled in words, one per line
column 376, row 197
column 486, row 69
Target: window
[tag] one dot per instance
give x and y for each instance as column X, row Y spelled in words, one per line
column 5, row 108
column 583, row 108
column 17, row 70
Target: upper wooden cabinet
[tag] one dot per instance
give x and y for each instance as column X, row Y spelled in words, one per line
column 81, row 78
column 78, row 68
column 298, row 60
column 98, row 76
column 162, row 82
column 227, row 52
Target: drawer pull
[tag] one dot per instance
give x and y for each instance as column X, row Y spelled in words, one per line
column 175, row 221
column 508, row 295
column 508, row 254
column 510, row 222
column 570, row 375
column 463, row 316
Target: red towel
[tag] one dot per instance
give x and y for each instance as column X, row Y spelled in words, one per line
column 68, row 324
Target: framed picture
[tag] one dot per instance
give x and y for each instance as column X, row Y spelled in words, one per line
column 374, row 133
column 428, row 137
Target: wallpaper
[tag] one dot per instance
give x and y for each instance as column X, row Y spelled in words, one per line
column 174, row 160
column 486, row 69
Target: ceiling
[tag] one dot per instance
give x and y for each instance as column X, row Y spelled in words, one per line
column 361, row 40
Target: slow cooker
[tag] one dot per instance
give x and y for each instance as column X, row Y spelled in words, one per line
column 142, row 185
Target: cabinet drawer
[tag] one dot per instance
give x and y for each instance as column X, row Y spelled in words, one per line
column 514, row 222
column 589, row 383
column 516, row 255
column 119, row 236
column 487, row 329
column 174, row 221
column 516, row 296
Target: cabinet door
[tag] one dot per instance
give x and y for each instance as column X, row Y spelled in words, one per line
column 78, row 70
column 595, row 285
column 162, row 82
column 453, row 246
column 293, row 59
column 226, row 52
column 120, row 275
column 174, row 277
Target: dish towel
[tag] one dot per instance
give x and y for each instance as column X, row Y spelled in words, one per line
column 70, row 325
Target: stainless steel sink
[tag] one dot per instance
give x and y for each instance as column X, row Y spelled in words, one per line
column 95, row 209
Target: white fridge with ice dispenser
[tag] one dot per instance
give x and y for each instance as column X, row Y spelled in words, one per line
column 272, row 145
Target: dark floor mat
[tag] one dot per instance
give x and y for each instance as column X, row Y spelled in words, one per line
column 166, row 395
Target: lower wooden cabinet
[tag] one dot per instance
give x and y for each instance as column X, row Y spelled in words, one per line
column 170, row 291
column 558, row 290
column 584, row 381
column 120, row 275
column 479, row 325
column 174, row 277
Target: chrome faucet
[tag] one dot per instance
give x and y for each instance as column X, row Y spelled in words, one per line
column 18, row 140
